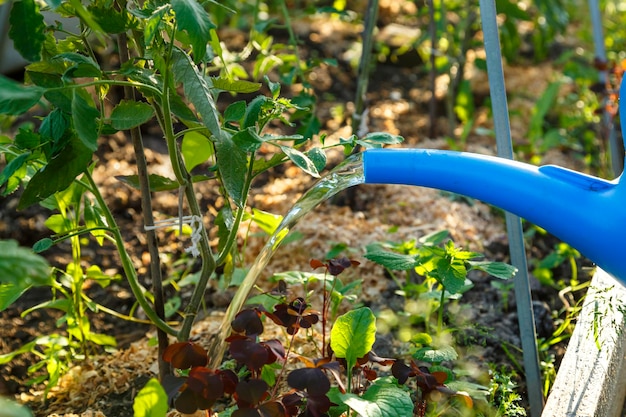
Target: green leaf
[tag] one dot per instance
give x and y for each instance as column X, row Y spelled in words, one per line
column 318, row 157
column 301, row 160
column 111, row 20
column 451, row 275
column 129, row 114
column 12, row 167
column 27, row 29
column 382, row 399
column 81, row 65
column 499, row 270
column 16, row 98
column 192, row 18
column 85, row 117
column 157, row 182
column 235, row 86
column 235, row 111
column 196, row 149
column 43, row 245
column 196, row 90
column 21, row 266
column 232, row 164
column 268, row 222
column 432, row 355
column 248, row 140
column 382, row 138
column 8, row 357
column 101, row 339
column 9, row 293
column 392, row 260
column 353, row 335
column 58, row 174
column 151, row 400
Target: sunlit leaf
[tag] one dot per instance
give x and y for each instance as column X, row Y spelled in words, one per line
column 196, row 149
column 353, row 334
column 434, row 355
column 151, row 400
column 499, row 270
column 382, row 399
column 392, row 260
column 301, row 160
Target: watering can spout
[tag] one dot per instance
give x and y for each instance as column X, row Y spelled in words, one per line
column 586, row 212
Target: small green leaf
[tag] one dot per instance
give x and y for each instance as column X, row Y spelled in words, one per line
column 382, row 399
column 253, row 111
column 353, row 335
column 235, row 111
column 232, row 164
column 129, row 114
column 20, row 265
column 27, row 29
column 499, row 270
column 157, row 182
column 8, row 357
column 392, row 260
column 58, row 174
column 151, row 401
column 9, row 293
column 196, row 149
column 235, row 86
column 432, row 355
column 301, row 160
column 43, row 245
column 101, row 339
column 110, row 19
column 268, row 222
column 16, row 98
column 378, row 139
column 12, row 167
column 318, row 157
column 85, row 117
column 192, row 18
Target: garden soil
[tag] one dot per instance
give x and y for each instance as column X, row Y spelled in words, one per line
column 105, row 384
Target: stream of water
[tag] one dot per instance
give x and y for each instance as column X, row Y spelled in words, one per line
column 347, row 174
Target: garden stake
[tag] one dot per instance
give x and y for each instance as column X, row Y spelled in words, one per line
column 504, row 147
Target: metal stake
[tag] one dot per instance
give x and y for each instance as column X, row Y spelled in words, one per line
column 513, row 223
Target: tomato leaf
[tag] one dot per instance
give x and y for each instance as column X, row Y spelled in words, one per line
column 27, row 29
column 58, row 174
column 129, row 114
column 17, row 98
column 196, row 90
column 85, row 123
column 192, row 18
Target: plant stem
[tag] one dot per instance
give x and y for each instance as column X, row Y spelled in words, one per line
column 148, row 219
column 127, row 263
column 164, row 115
column 440, row 315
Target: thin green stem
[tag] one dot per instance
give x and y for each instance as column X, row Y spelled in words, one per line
column 127, row 263
column 440, row 315
column 120, row 83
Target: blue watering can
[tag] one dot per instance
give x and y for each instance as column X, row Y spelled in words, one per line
column 587, row 212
